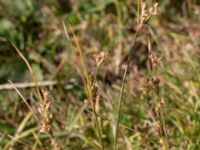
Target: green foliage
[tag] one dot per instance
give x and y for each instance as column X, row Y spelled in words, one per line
column 35, row 27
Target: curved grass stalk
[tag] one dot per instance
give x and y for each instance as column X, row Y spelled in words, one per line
column 82, row 67
column 30, row 69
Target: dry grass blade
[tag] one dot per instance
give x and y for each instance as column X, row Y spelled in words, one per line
column 82, row 64
column 78, row 67
column 30, row 69
column 22, row 97
column 19, row 141
column 24, row 59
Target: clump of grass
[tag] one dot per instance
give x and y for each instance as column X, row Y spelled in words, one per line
column 89, row 79
column 45, row 117
column 144, row 14
column 163, row 85
column 152, row 84
column 154, row 59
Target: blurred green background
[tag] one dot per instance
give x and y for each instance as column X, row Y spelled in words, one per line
column 36, row 28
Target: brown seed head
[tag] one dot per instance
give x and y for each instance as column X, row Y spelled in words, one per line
column 99, row 58
column 146, row 13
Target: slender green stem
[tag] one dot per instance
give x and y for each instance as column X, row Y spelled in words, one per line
column 95, row 117
column 122, row 90
column 98, row 127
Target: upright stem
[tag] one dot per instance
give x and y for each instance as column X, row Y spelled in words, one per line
column 122, row 90
column 162, row 123
column 98, row 126
column 160, row 116
column 95, row 117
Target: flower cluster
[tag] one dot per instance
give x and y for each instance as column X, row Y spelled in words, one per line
column 148, row 85
column 146, row 13
column 154, row 60
column 99, row 58
column 45, row 117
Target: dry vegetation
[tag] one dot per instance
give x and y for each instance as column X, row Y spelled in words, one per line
column 104, row 74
